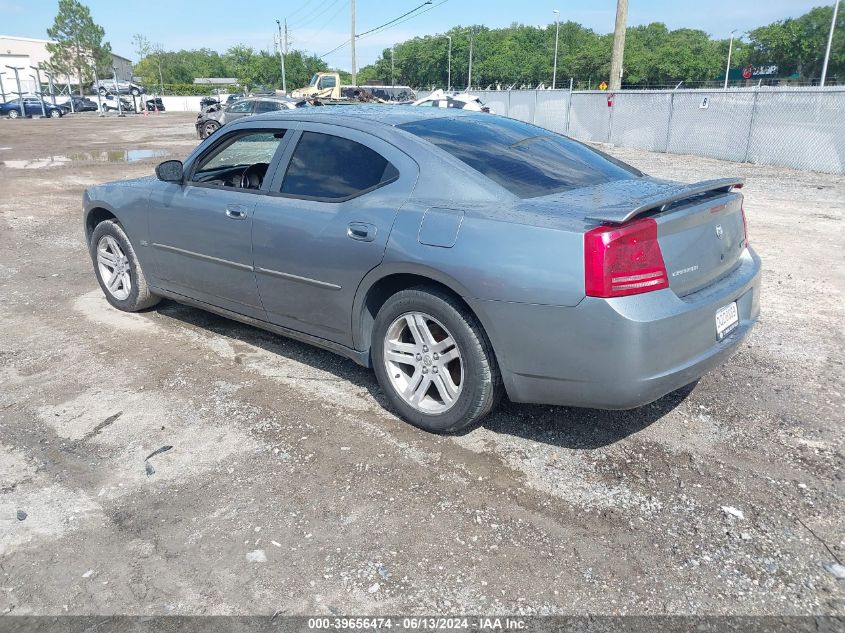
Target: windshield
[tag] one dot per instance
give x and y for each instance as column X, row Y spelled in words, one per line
column 526, row 160
column 314, row 80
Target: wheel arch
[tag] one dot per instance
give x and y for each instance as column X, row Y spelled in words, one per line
column 94, row 216
column 384, row 281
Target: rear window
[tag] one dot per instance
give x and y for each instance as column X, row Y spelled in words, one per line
column 526, row 160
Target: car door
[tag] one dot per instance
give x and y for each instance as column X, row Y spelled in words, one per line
column 32, row 107
column 325, row 224
column 201, row 229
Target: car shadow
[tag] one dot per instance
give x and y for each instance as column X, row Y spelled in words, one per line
column 566, row 427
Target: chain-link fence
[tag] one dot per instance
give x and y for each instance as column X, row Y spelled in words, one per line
column 800, row 127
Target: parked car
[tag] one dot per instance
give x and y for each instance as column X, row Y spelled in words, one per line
column 32, row 106
column 465, row 101
column 459, row 255
column 110, row 104
column 155, row 104
column 216, row 116
column 107, row 87
column 80, row 104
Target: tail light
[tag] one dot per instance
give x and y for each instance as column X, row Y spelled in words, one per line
column 744, row 225
column 623, row 260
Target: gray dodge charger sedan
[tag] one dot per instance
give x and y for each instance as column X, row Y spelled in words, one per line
column 462, row 256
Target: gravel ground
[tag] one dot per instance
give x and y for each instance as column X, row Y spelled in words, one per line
column 289, row 487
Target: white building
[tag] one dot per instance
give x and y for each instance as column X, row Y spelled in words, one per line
column 25, row 52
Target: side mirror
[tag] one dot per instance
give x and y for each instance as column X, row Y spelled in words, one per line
column 169, row 171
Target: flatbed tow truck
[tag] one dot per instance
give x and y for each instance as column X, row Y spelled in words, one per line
column 325, row 89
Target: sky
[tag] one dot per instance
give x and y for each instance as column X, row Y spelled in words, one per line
column 318, row 26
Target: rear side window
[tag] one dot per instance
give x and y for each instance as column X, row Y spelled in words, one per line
column 332, row 168
column 526, row 160
column 267, row 106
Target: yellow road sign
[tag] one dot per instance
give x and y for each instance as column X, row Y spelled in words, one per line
column 603, row 85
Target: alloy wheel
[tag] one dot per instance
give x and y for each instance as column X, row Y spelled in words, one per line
column 114, row 268
column 423, row 362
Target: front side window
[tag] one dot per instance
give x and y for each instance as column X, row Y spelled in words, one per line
column 241, row 107
column 526, row 160
column 332, row 168
column 240, row 162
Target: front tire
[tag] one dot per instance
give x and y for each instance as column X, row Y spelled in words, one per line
column 210, row 128
column 118, row 269
column 14, row 114
column 434, row 361
column 135, row 92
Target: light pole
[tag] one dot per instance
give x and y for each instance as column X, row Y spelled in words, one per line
column 728, row 66
column 829, row 42
column 449, row 67
column 557, row 36
column 469, row 78
column 283, row 49
column 392, row 65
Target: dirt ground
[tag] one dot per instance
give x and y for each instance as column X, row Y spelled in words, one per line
column 289, row 487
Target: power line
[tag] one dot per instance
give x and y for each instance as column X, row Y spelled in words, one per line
column 301, row 7
column 394, row 19
column 321, row 10
column 394, row 22
column 381, row 28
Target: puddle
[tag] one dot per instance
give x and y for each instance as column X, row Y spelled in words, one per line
column 119, row 156
column 109, row 156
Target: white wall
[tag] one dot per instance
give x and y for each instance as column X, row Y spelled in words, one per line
column 183, row 104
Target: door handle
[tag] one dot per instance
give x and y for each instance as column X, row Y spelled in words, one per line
column 236, row 212
column 361, row 231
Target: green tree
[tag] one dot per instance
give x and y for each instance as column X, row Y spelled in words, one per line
column 78, row 47
column 797, row 45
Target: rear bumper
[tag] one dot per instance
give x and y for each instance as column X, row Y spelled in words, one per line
column 618, row 353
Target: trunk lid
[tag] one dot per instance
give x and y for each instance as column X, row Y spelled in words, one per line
column 700, row 227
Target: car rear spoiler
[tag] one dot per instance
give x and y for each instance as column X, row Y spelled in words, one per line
column 623, row 212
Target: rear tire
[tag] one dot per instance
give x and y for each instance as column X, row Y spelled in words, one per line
column 118, row 269
column 434, row 361
column 55, row 114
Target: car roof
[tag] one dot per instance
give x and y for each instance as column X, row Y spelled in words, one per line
column 365, row 117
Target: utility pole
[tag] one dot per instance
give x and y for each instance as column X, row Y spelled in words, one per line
column 392, row 64
column 728, row 67
column 18, row 81
column 449, row 71
column 618, row 44
column 557, row 37
column 469, row 78
column 829, row 42
column 352, row 41
column 283, row 49
column 39, row 93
